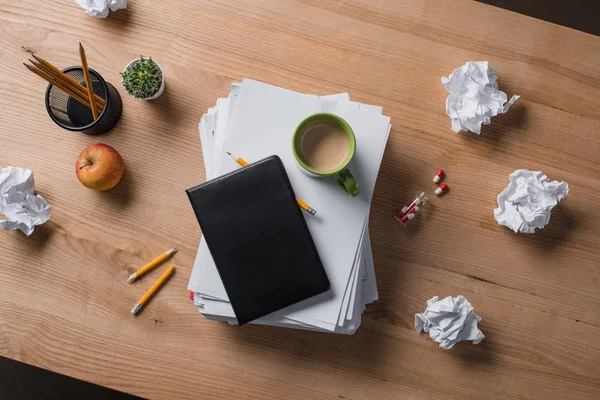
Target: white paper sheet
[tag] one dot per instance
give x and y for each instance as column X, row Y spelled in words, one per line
column 527, row 202
column 19, row 204
column 265, row 121
column 372, row 285
column 474, row 96
column 449, row 321
column 206, row 282
column 99, row 8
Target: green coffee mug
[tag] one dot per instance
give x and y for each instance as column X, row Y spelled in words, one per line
column 340, row 170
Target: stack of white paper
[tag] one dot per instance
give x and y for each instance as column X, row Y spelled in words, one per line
column 258, row 120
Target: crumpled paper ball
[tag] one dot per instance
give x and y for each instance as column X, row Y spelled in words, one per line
column 22, row 208
column 99, row 8
column 474, row 96
column 449, row 321
column 528, row 200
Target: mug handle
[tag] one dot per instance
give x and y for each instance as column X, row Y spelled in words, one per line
column 347, row 182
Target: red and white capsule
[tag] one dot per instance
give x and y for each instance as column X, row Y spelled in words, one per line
column 438, row 176
column 412, row 209
column 443, row 188
column 407, row 218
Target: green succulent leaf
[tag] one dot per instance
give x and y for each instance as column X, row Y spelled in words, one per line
column 142, row 78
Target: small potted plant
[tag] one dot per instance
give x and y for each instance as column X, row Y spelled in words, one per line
column 143, row 79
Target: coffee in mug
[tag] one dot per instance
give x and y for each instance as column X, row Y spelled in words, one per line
column 323, row 145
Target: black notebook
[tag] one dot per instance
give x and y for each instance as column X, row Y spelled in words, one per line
column 259, row 240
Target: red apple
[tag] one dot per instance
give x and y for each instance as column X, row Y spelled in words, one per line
column 99, row 167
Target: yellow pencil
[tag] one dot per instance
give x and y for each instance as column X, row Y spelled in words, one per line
column 302, row 204
column 152, row 291
column 88, row 81
column 150, row 265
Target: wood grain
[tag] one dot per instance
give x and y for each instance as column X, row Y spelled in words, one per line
column 64, row 300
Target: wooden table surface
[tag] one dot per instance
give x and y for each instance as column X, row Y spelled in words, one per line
column 64, row 302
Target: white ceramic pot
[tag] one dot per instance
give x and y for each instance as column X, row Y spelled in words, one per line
column 162, row 85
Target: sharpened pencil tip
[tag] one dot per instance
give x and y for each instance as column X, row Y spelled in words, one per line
column 131, row 278
column 170, row 252
column 227, row 152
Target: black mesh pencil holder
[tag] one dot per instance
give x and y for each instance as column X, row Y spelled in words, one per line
column 70, row 114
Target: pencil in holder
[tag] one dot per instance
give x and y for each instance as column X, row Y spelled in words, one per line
column 70, row 114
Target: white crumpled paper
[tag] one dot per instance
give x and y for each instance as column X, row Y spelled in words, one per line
column 474, row 96
column 22, row 208
column 528, row 200
column 99, row 8
column 449, row 321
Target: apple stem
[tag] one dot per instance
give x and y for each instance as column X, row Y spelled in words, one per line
column 88, row 163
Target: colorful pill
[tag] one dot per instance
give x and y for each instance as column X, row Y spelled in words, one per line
column 404, row 210
column 407, row 218
column 443, row 188
column 410, row 211
column 438, row 176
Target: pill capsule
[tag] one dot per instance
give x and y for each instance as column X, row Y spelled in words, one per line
column 438, row 176
column 443, row 188
column 407, row 218
column 401, row 213
column 411, row 210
